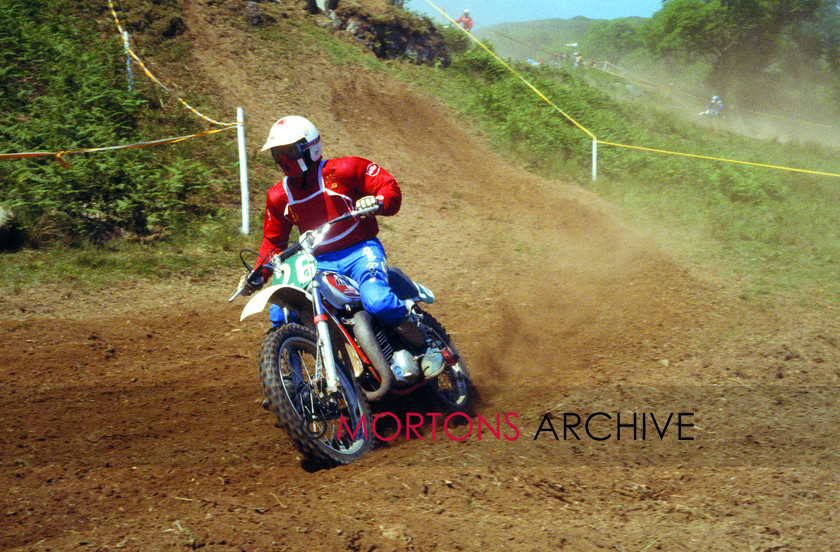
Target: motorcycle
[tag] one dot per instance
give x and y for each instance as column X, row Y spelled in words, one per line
column 321, row 369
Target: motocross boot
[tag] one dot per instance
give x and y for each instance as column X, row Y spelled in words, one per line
column 431, row 359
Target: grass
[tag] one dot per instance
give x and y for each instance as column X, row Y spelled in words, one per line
column 773, row 234
column 193, row 254
column 788, row 249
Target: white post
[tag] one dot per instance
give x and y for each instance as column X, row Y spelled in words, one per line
column 243, row 168
column 128, row 62
column 594, row 160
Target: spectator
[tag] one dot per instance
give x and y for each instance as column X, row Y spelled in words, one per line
column 465, row 21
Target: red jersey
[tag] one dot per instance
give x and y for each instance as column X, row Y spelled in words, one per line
column 341, row 182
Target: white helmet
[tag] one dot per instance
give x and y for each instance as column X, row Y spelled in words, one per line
column 466, row 12
column 302, row 144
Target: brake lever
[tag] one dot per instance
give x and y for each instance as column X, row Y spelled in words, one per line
column 247, row 281
column 238, row 292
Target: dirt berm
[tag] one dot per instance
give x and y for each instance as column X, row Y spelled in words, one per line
column 131, row 418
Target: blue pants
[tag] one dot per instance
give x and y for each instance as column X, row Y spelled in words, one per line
column 366, row 264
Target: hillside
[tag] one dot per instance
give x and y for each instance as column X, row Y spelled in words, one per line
column 543, row 38
column 535, row 39
column 132, row 418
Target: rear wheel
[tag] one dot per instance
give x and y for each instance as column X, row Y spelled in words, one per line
column 453, row 387
column 328, row 429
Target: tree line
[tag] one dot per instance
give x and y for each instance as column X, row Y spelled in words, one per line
column 750, row 45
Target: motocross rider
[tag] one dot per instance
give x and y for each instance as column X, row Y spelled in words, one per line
column 715, row 106
column 316, row 190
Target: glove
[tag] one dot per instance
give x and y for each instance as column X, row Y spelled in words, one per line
column 250, row 287
column 369, row 204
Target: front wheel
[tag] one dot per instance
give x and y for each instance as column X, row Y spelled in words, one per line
column 453, row 387
column 328, row 429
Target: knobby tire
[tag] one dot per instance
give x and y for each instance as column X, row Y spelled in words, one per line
column 287, row 365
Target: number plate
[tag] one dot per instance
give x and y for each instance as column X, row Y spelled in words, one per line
column 297, row 271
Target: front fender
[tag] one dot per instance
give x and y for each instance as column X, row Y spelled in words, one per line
column 278, row 295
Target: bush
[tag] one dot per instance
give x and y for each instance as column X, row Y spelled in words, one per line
column 58, row 93
column 457, row 41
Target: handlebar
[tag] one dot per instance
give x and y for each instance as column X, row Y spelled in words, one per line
column 289, row 251
column 295, row 247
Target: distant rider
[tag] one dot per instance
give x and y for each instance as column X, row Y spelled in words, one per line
column 465, row 21
column 315, row 191
column 715, row 106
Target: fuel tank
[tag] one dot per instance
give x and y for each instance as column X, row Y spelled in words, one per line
column 339, row 291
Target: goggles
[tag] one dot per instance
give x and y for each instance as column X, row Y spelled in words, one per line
column 287, row 151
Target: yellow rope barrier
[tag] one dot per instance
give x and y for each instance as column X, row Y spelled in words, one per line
column 595, row 139
column 155, row 79
column 509, row 68
column 60, row 154
column 709, row 158
column 116, row 19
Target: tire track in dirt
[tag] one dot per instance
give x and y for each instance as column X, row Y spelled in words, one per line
column 131, row 418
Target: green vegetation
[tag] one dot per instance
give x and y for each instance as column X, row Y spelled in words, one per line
column 538, row 39
column 63, row 87
column 775, row 231
column 757, row 54
column 750, row 44
column 195, row 254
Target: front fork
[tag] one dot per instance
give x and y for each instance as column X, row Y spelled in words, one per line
column 322, row 329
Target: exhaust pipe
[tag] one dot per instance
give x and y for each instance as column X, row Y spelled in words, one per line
column 366, row 338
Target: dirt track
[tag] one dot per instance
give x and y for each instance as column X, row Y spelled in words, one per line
column 131, row 418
